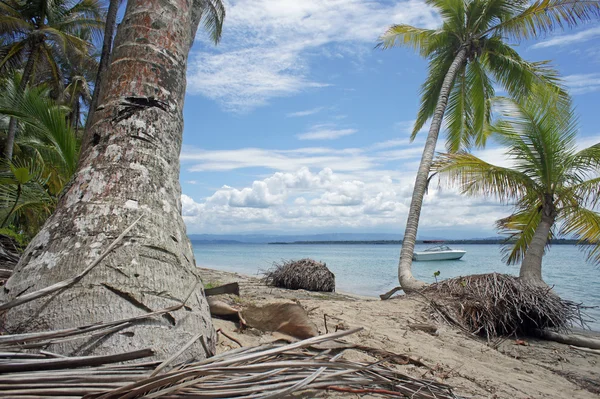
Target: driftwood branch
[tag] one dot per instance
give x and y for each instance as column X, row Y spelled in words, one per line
column 231, row 288
column 389, row 294
column 70, row 281
column 575, row 340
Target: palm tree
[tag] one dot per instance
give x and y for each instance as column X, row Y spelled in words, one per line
column 38, row 33
column 467, row 54
column 554, row 187
column 127, row 171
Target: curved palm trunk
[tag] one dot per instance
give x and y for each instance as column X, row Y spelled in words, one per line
column 129, row 168
column 531, row 267
column 109, row 33
column 12, row 123
column 405, row 276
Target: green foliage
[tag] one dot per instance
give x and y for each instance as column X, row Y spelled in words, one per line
column 548, row 172
column 484, row 27
column 21, row 239
column 46, row 157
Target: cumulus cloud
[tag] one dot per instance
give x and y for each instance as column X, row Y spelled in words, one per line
column 307, row 200
column 267, row 45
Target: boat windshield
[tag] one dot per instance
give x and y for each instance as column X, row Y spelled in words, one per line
column 438, row 248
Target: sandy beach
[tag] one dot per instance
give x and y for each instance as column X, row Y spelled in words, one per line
column 524, row 368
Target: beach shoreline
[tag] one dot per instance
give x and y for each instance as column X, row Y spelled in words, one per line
column 507, row 368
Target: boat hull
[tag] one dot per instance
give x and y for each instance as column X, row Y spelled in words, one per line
column 442, row 255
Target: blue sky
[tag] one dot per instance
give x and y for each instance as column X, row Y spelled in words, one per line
column 296, row 124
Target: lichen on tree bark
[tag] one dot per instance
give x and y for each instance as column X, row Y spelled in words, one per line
column 129, row 167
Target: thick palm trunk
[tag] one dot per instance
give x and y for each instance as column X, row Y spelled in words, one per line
column 109, row 32
column 129, row 168
column 12, row 123
column 531, row 267
column 405, row 276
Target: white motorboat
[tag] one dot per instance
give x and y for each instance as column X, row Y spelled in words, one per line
column 440, row 252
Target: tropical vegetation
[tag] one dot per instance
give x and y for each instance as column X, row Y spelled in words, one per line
column 553, row 185
column 468, row 55
column 47, row 61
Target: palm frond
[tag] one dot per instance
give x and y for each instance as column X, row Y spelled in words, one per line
column 584, row 224
column 588, row 159
column 477, row 177
column 212, row 18
column 459, row 117
column 520, row 228
column 519, row 77
column 430, row 90
column 407, row 36
column 544, row 16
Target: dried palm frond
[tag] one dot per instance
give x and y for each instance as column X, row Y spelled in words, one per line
column 304, row 274
column 500, row 304
column 267, row 371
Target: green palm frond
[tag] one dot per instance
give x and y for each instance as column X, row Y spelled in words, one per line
column 407, row 36
column 588, row 159
column 459, row 115
column 545, row 16
column 430, row 90
column 517, row 76
column 477, row 177
column 213, row 16
column 12, row 55
column 466, row 124
column 584, row 224
column 520, row 228
column 585, row 193
column 45, row 122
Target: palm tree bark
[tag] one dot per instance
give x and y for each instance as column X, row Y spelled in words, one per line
column 109, row 33
column 531, row 267
column 129, row 168
column 12, row 124
column 405, row 276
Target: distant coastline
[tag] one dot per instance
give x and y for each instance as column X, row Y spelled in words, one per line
column 371, row 242
column 398, row 242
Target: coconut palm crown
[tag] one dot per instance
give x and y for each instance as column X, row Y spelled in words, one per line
column 555, row 188
column 467, row 56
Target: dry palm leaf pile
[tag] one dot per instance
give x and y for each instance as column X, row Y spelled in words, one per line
column 267, row 371
column 304, row 274
column 498, row 304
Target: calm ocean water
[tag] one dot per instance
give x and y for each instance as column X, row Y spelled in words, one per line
column 372, row 269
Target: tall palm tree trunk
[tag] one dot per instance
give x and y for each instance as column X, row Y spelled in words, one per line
column 129, row 168
column 405, row 276
column 531, row 267
column 12, row 124
column 109, row 33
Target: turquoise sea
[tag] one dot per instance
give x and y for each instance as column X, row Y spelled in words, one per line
column 371, row 269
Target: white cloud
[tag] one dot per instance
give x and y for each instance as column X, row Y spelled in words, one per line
column 565, row 40
column 268, row 45
column 305, row 113
column 344, row 160
column 583, row 83
column 324, row 133
column 303, row 200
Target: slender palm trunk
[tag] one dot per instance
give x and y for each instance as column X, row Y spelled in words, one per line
column 129, row 168
column 12, row 124
column 109, row 33
column 405, row 276
column 531, row 267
